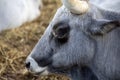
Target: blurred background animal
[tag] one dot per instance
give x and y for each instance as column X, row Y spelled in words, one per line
column 14, row 13
column 108, row 4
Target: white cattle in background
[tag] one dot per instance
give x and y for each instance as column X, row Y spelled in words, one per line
column 108, row 4
column 13, row 13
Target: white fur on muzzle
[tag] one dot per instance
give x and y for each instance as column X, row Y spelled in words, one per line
column 35, row 68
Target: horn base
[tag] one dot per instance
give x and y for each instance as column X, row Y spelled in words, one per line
column 76, row 6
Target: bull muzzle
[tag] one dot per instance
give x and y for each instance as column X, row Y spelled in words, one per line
column 33, row 67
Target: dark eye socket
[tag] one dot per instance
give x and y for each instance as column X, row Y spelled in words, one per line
column 61, row 31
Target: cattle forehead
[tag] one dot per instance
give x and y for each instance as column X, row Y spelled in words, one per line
column 63, row 13
column 73, row 20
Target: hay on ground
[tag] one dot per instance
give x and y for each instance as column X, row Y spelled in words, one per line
column 17, row 43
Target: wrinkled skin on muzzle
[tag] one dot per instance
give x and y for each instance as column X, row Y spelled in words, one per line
column 70, row 44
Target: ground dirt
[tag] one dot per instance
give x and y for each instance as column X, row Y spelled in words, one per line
column 17, row 43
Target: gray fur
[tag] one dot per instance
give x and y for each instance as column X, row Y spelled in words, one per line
column 99, row 53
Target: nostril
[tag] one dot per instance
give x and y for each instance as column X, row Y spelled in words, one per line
column 27, row 65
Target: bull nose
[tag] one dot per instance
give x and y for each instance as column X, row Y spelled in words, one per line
column 27, row 64
column 33, row 66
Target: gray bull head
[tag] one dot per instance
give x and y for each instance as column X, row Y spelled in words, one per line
column 84, row 47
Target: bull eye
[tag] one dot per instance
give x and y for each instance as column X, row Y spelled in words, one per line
column 61, row 31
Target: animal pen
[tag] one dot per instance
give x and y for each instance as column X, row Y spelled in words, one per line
column 17, row 43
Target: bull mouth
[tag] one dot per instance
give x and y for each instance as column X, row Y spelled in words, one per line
column 43, row 72
column 39, row 73
column 34, row 68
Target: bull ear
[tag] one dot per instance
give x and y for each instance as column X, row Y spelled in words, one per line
column 104, row 28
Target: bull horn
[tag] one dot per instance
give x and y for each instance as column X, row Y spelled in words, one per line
column 76, row 6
